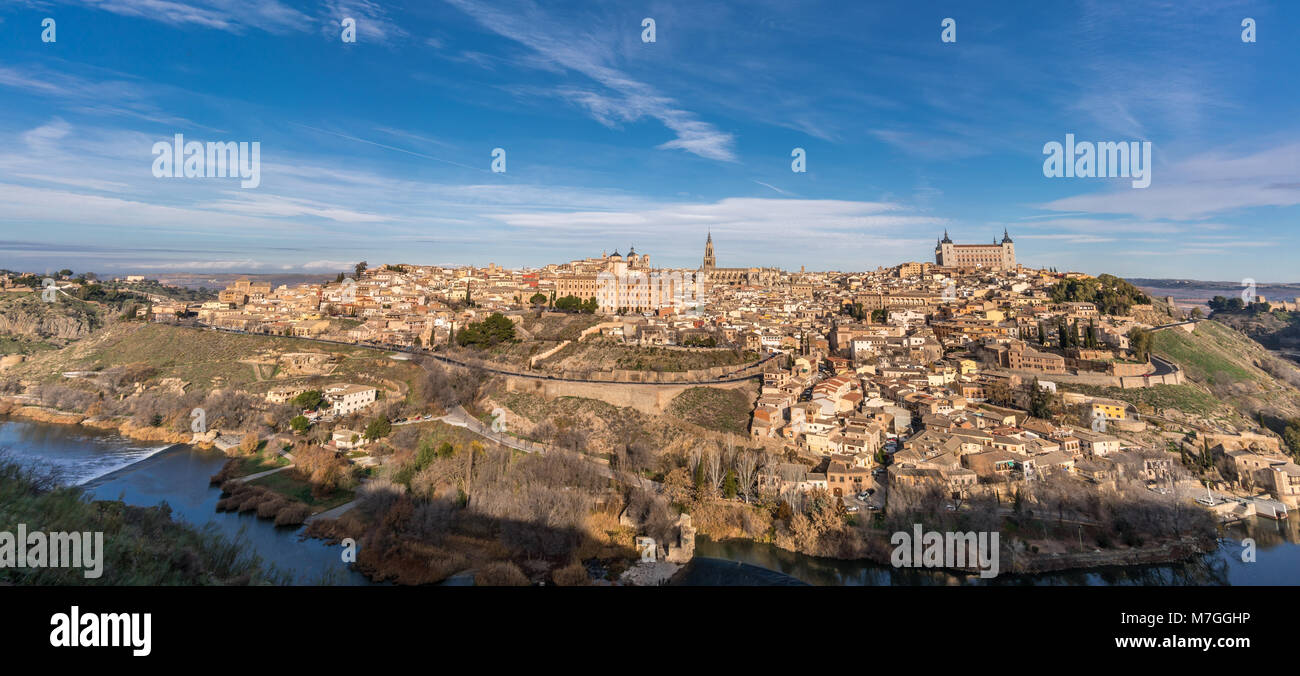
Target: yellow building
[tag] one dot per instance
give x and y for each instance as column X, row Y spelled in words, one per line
column 1109, row 410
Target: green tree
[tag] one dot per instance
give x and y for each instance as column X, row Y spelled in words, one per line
column 729, row 485
column 568, row 304
column 1140, row 341
column 309, row 400
column 360, row 268
column 299, row 423
column 1292, row 437
column 494, row 330
column 1040, row 402
column 378, row 429
column 537, row 299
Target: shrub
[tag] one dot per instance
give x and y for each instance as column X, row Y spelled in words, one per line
column 500, row 574
column 572, row 575
column 293, row 514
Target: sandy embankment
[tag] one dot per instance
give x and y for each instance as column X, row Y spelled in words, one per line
column 122, row 426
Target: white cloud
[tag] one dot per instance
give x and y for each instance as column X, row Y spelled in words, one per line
column 1201, row 186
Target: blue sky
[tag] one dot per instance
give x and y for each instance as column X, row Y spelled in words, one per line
column 381, row 150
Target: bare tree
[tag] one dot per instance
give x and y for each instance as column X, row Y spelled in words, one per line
column 746, row 472
column 714, row 471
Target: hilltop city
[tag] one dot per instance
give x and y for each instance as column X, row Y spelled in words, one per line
column 816, row 410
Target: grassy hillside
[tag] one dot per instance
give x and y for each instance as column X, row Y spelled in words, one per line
column 601, row 355
column 713, row 409
column 1191, row 399
column 1212, row 354
column 1234, row 368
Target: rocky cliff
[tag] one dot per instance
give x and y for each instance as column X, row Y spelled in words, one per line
column 28, row 316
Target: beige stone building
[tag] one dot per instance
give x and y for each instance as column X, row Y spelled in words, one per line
column 998, row 256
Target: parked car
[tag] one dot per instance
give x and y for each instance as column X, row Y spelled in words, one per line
column 851, row 509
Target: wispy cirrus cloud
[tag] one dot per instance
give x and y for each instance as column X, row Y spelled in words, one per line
column 272, row 16
column 620, row 97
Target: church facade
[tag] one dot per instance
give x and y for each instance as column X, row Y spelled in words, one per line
column 995, row 256
column 716, row 276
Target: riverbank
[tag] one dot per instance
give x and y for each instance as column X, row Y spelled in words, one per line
column 11, row 407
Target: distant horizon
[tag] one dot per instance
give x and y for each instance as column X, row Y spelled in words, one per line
column 158, row 274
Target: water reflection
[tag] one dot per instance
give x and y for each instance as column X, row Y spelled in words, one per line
column 1277, row 562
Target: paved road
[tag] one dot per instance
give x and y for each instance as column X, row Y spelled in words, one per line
column 1163, row 366
column 331, row 513
column 1169, row 326
column 259, row 475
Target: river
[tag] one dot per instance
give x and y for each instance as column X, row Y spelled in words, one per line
column 1277, row 562
column 110, row 467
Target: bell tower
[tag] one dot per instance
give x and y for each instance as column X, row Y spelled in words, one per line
column 709, row 261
